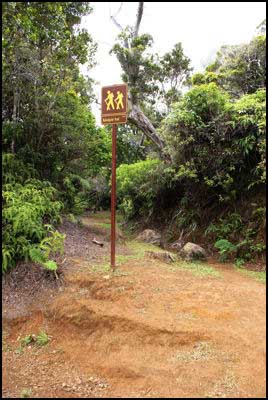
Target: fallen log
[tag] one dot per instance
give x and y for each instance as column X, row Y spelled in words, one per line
column 96, row 242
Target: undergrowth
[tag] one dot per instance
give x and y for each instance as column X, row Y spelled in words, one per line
column 28, row 215
column 198, row 269
column 258, row 275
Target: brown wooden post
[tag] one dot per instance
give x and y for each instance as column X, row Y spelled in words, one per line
column 114, row 100
column 113, row 196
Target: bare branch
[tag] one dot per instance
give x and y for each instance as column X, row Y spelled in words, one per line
column 139, row 17
column 115, row 22
column 113, row 17
column 119, row 9
column 119, row 26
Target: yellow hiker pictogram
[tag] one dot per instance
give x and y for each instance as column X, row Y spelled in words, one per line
column 119, row 100
column 114, row 104
column 109, row 100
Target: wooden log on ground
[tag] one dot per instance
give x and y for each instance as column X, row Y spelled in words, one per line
column 97, row 242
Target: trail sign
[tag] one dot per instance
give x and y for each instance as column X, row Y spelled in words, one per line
column 114, row 104
column 113, row 111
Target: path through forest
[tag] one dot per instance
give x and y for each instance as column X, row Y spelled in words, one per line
column 151, row 329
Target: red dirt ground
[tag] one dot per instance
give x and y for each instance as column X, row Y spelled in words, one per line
column 148, row 330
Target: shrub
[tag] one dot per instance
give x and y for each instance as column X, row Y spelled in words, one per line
column 137, row 186
column 232, row 223
column 245, row 232
column 80, row 193
column 48, row 246
column 145, row 186
column 15, row 170
column 26, row 211
column 226, row 248
column 41, row 339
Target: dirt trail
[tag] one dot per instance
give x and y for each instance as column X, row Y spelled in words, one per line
column 148, row 330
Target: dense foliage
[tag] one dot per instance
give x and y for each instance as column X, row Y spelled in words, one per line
column 29, row 210
column 52, row 147
column 214, row 139
column 196, row 160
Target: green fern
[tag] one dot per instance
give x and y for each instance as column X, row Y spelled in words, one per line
column 42, row 338
column 25, row 208
column 7, row 258
column 50, row 265
column 225, row 248
column 38, row 256
column 27, row 340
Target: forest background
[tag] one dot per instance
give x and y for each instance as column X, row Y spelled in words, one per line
column 191, row 160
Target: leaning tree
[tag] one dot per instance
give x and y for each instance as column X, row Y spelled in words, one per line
column 152, row 80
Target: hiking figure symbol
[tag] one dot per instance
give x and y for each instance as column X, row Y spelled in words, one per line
column 109, row 100
column 119, row 100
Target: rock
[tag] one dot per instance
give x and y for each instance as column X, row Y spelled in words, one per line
column 192, row 251
column 149, row 236
column 178, row 244
column 162, row 256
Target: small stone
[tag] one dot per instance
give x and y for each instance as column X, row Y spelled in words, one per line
column 106, row 277
column 64, row 384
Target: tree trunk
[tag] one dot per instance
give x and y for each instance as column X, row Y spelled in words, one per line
column 136, row 115
column 15, row 114
column 138, row 118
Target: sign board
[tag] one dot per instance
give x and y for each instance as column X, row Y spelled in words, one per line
column 114, row 104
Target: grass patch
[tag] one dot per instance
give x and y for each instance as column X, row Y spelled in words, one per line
column 138, row 251
column 26, row 393
column 27, row 340
column 121, row 273
column 139, row 248
column 106, row 215
column 185, row 315
column 121, row 259
column 198, row 268
column 5, row 345
column 42, row 339
column 105, row 267
column 202, row 351
column 100, row 268
column 104, row 225
column 101, row 215
column 224, row 387
column 257, row 275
